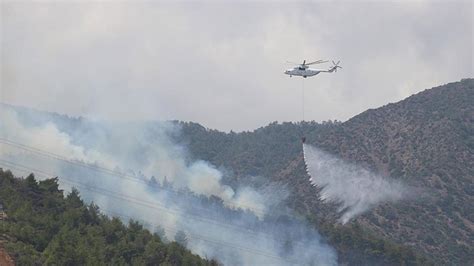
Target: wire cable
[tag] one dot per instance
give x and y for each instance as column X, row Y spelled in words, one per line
column 174, row 229
column 145, row 203
column 101, row 169
column 302, row 99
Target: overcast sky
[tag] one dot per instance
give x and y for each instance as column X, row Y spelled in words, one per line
column 222, row 64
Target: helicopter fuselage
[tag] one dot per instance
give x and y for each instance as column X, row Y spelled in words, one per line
column 307, row 72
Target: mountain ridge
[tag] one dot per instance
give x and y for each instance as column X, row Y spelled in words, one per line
column 425, row 140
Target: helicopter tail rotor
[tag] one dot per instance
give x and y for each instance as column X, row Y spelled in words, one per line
column 335, row 66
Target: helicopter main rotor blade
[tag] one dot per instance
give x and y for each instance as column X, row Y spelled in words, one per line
column 317, row 62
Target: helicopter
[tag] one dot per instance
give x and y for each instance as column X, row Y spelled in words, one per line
column 304, row 71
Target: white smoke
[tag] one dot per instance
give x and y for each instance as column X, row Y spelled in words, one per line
column 215, row 228
column 164, row 159
column 355, row 188
column 45, row 137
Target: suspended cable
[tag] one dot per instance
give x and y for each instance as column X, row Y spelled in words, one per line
column 98, row 168
column 168, row 228
column 148, row 204
column 303, row 137
column 302, row 100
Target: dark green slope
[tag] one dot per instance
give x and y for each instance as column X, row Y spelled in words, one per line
column 426, row 140
column 45, row 228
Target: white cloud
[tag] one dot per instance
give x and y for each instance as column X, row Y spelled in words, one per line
column 222, row 64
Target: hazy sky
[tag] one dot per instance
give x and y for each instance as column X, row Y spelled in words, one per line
column 222, row 64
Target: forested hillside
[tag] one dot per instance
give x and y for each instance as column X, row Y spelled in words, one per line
column 355, row 245
column 426, row 140
column 45, row 227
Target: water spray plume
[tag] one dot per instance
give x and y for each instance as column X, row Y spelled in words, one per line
column 353, row 187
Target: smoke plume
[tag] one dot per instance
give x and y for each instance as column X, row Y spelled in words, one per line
column 355, row 188
column 136, row 171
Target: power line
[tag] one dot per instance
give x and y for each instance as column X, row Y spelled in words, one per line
column 98, row 168
column 148, row 204
column 215, row 242
column 124, row 197
column 167, row 228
